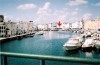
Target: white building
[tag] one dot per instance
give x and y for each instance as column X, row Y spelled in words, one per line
column 76, row 25
column 42, row 27
column 52, row 26
column 64, row 26
column 11, row 28
column 24, row 27
column 2, row 27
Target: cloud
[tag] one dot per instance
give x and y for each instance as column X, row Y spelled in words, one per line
column 26, row 6
column 60, row 15
column 7, row 16
column 74, row 13
column 87, row 16
column 45, row 9
column 97, row 4
column 46, row 14
column 76, row 2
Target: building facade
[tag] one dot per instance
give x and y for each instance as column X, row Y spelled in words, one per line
column 24, row 27
column 2, row 27
column 92, row 24
column 11, row 28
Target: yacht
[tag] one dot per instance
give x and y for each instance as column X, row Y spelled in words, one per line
column 97, row 44
column 89, row 43
column 72, row 44
column 80, row 39
column 86, row 34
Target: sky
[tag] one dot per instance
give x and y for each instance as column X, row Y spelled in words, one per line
column 47, row 11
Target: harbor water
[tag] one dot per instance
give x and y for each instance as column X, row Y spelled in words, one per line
column 51, row 43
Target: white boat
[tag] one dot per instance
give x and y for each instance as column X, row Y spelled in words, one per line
column 72, row 44
column 89, row 43
column 86, row 34
column 80, row 39
column 39, row 33
column 97, row 44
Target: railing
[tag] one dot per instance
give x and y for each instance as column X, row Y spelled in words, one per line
column 42, row 58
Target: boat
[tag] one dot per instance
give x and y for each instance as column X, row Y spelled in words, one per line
column 80, row 39
column 86, row 34
column 97, row 44
column 72, row 44
column 39, row 33
column 31, row 35
column 98, row 36
column 89, row 43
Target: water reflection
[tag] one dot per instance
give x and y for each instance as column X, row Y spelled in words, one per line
column 72, row 53
column 89, row 54
column 55, row 35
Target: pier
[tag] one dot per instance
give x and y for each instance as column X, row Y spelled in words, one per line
column 4, row 39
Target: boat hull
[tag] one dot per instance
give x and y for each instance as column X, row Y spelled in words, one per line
column 71, row 47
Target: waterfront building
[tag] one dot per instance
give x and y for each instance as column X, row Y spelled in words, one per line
column 43, row 27
column 24, row 27
column 40, row 27
column 76, row 25
column 35, row 28
column 64, row 26
column 21, row 27
column 11, row 28
column 92, row 24
column 30, row 27
column 53, row 26
column 2, row 27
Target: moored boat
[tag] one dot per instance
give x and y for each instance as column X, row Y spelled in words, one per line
column 40, row 33
column 88, row 44
column 97, row 44
column 72, row 44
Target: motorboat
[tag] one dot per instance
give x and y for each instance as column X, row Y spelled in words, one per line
column 89, row 43
column 39, row 33
column 86, row 34
column 97, row 44
column 72, row 44
column 80, row 39
column 31, row 35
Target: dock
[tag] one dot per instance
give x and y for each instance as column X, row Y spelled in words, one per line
column 16, row 37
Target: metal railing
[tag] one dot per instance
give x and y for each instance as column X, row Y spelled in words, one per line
column 42, row 58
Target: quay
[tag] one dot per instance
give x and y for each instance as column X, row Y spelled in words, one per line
column 5, row 39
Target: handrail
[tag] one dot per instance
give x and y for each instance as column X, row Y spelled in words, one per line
column 48, row 57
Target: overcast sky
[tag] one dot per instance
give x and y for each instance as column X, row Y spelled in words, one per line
column 46, row 11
